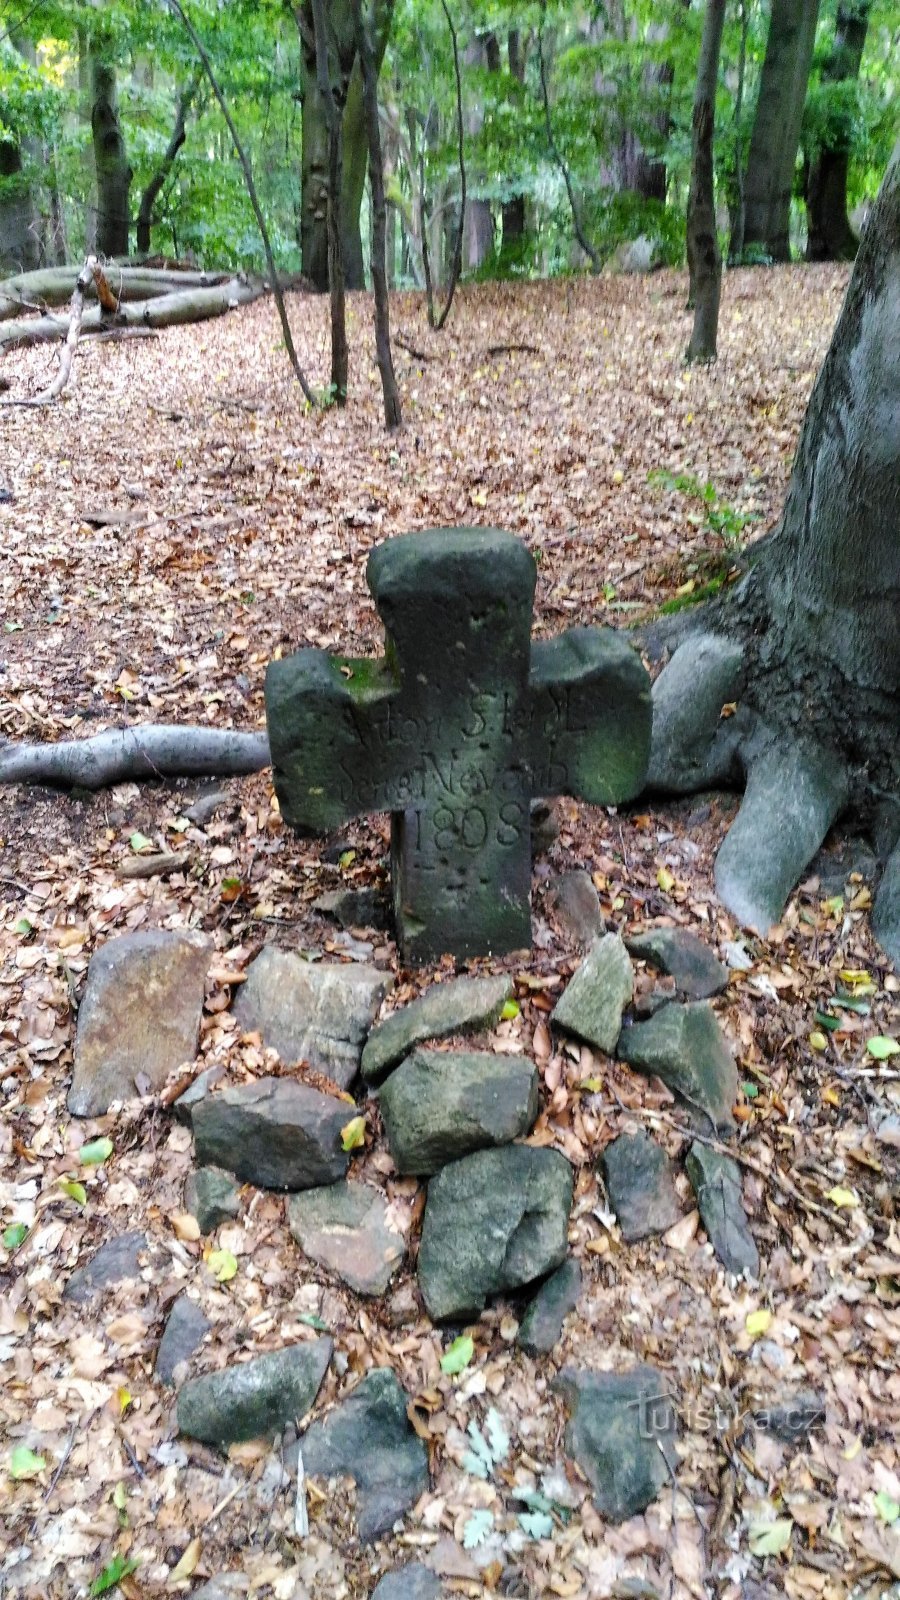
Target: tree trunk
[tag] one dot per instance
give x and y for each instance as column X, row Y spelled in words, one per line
column 513, row 209
column 18, row 237
column 331, row 87
column 704, row 256
column 478, row 231
column 150, row 194
column 776, row 128
column 111, row 162
column 830, row 236
column 384, row 357
column 808, row 644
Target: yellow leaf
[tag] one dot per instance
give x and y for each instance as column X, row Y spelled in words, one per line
column 831, row 1096
column 618, row 476
column 818, row 1041
column 758, row 1322
column 353, row 1134
column 124, row 1399
column 665, row 880
column 188, row 1563
column 852, row 1450
column 222, row 1264
column 854, row 975
column 184, row 1226
column 842, row 1197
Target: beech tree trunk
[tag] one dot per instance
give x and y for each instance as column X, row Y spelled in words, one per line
column 704, row 255
column 808, row 644
column 830, row 236
column 110, row 159
column 478, row 232
column 776, row 128
column 154, row 187
column 18, row 237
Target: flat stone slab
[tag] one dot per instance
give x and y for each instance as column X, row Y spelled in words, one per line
column 344, row 1228
column 369, row 1438
column 461, row 1005
column 184, row 1332
column 542, row 1325
column 621, row 1432
column 253, row 1399
column 354, row 908
column 495, row 1221
column 275, row 1132
column 681, row 955
column 139, row 1017
column 314, row 1011
column 717, row 1185
column 412, row 1582
column 591, row 1006
column 685, row 1047
column 211, row 1196
column 115, row 1262
column 640, row 1182
column 454, row 731
column 440, row 1105
column 577, row 906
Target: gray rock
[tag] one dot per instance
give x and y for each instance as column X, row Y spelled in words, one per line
column 717, row 1185
column 413, row 1582
column 684, row 957
column 542, row 1324
column 591, row 1006
column 441, row 1105
column 368, row 1437
column 139, row 1017
column 640, row 1182
column 693, row 748
column 252, row 1399
column 793, row 1419
column 183, row 1334
column 577, row 906
column 114, row 1262
column 496, row 1220
column 205, row 807
column 544, row 826
column 276, row 1133
column 211, row 1196
column 354, row 908
column 183, row 1108
column 458, row 1006
column 684, row 1045
column 319, row 1012
column 621, row 1432
column 344, row 1228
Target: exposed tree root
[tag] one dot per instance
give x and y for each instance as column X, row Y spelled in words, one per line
column 886, row 915
column 154, row 751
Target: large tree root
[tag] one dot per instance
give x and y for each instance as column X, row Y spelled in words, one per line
column 886, row 915
column 120, row 754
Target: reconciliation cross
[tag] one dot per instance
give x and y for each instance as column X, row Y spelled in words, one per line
column 454, row 730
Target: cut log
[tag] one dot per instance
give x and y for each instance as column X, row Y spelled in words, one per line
column 164, row 311
column 160, row 750
column 53, row 286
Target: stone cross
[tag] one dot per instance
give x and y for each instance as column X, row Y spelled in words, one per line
column 454, row 730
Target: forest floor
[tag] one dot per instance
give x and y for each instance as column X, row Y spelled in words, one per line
column 175, row 521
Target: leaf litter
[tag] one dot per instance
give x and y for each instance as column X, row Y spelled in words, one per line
column 254, row 522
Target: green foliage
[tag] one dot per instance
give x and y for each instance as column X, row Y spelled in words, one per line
column 720, row 518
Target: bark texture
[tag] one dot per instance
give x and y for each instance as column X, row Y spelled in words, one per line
column 110, row 158
column 776, row 128
column 704, row 255
column 389, row 390
column 830, row 236
column 809, row 643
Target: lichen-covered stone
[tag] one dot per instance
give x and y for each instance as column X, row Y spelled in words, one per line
column 591, row 1006
column 139, row 1018
column 684, row 1045
column 717, row 1185
column 344, row 1227
column 313, row 1011
column 211, row 1196
column 253, row 1399
column 621, row 1432
column 441, row 1105
column 460, row 1005
column 681, row 955
column 640, row 1182
column 542, row 1324
column 495, row 1221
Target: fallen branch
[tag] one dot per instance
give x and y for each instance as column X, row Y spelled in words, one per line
column 52, row 286
column 160, row 750
column 90, row 273
column 164, row 311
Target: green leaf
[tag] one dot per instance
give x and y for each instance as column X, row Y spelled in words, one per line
column 15, row 1234
column 13, row 627
column 770, row 1538
column 139, row 842
column 23, row 1463
column 476, row 1530
column 95, row 1153
column 880, row 1048
column 536, row 1524
column 510, row 1010
column 458, row 1356
column 887, row 1508
column 353, row 1134
column 73, row 1191
column 118, row 1568
column 310, row 1320
column 222, row 1264
column 497, row 1436
column 825, row 1021
column 24, row 927
column 346, row 859
column 751, row 1091
column 847, row 1002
